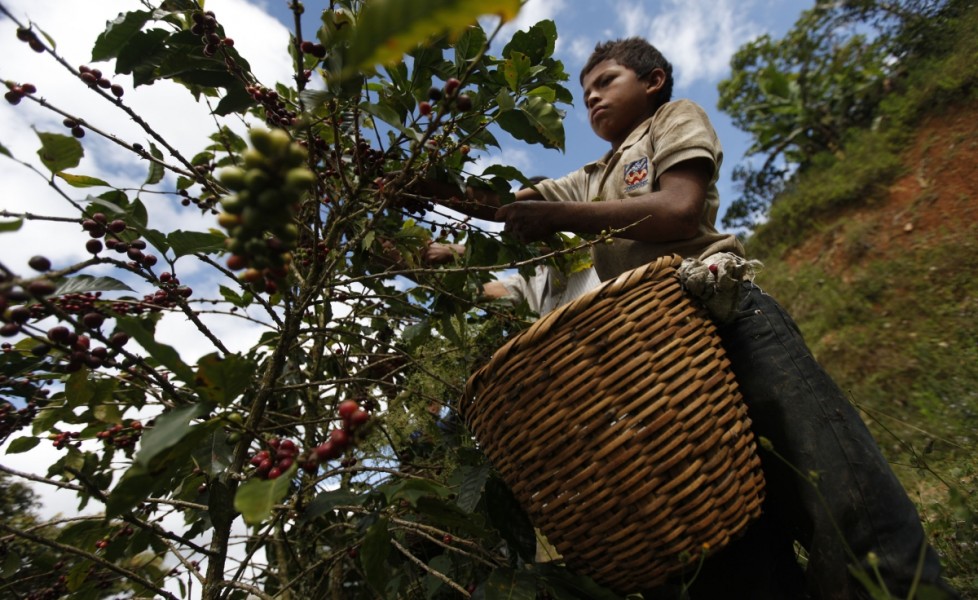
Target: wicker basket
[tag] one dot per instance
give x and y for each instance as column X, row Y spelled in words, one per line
column 617, row 423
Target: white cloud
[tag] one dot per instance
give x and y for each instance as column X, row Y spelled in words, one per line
column 697, row 36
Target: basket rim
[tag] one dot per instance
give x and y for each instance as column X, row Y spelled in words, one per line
column 624, row 282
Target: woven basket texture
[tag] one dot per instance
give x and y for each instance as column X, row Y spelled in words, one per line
column 617, row 422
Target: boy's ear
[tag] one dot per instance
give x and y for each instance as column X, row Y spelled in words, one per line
column 654, row 81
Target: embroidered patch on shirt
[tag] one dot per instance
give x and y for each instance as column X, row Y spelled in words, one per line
column 636, row 174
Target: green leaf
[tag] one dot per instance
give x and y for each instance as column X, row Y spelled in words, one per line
column 506, row 514
column 82, row 389
column 135, row 485
column 221, row 380
column 4, row 151
column 473, row 482
column 515, row 70
column 8, row 226
column 387, row 29
column 215, row 454
column 329, row 500
column 22, row 444
column 157, row 239
column 563, row 583
column 510, row 584
column 374, row 552
column 190, row 242
column 88, row 283
column 82, row 181
column 167, row 431
column 236, row 100
column 165, row 355
column 414, row 489
column 59, row 152
column 537, row 43
column 142, row 56
column 256, row 498
column 156, row 170
column 535, row 121
column 117, row 34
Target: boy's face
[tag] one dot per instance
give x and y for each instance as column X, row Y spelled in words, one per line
column 617, row 100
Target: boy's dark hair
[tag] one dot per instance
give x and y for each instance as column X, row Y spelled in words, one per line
column 638, row 55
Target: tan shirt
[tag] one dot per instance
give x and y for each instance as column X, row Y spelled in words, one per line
column 677, row 132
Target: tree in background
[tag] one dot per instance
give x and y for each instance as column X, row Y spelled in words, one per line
column 310, row 465
column 797, row 96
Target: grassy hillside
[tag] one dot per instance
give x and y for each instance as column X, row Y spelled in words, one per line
column 875, row 253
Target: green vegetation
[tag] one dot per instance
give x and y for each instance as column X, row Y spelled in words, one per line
column 895, row 323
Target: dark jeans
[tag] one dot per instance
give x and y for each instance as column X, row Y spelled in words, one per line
column 828, row 485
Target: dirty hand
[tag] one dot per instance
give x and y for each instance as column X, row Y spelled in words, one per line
column 436, row 253
column 528, row 220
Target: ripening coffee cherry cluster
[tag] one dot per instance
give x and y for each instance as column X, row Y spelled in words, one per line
column 63, row 439
column 30, row 38
column 259, row 216
column 15, row 93
column 448, row 95
column 277, row 459
column 352, row 418
column 205, row 25
column 105, row 234
column 277, row 114
column 94, row 78
column 123, row 437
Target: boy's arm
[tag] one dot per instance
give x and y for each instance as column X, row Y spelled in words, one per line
column 670, row 213
column 474, row 202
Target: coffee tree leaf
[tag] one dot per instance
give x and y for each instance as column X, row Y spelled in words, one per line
column 156, row 170
column 374, row 550
column 510, row 584
column 141, row 330
column 157, row 239
column 473, row 483
column 22, row 444
column 214, row 455
column 191, row 242
column 387, row 29
column 169, row 429
column 564, row 584
column 327, row 501
column 88, row 283
column 256, row 498
column 414, row 489
column 142, row 55
column 222, row 379
column 236, row 100
column 446, row 514
column 509, row 518
column 439, row 564
column 82, row 181
column 546, row 120
column 59, row 152
column 8, row 226
column 515, row 70
column 110, row 43
column 135, row 485
column 82, row 389
column 537, row 42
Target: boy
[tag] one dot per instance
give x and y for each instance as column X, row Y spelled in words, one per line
column 828, row 486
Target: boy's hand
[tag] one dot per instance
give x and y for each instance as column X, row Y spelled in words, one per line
column 437, row 253
column 528, row 220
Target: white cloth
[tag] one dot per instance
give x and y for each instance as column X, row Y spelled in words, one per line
column 548, row 288
column 715, row 281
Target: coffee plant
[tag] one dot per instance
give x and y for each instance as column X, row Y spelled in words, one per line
column 324, row 461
